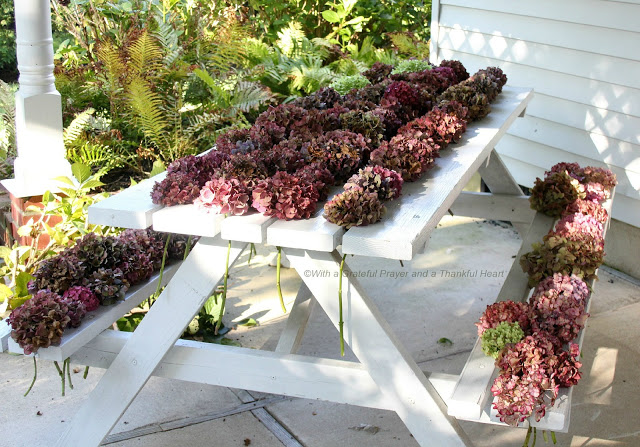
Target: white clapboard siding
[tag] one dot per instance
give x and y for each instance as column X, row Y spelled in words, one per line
column 100, row 319
column 549, row 57
column 581, row 59
column 131, row 208
column 576, row 36
column 410, row 219
column 589, row 12
column 584, row 117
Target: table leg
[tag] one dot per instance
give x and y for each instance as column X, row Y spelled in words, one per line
column 500, row 181
column 370, row 337
column 183, row 297
column 293, row 332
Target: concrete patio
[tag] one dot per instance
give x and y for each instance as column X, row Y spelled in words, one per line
column 426, row 300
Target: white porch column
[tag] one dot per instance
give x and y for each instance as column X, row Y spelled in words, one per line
column 41, row 152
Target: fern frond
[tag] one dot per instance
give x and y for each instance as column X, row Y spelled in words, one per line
column 220, row 98
column 249, row 96
column 408, row 45
column 74, row 130
column 145, row 54
column 167, row 37
column 310, row 76
column 258, row 52
column 228, row 46
column 7, row 120
column 290, row 37
column 147, row 107
column 111, row 59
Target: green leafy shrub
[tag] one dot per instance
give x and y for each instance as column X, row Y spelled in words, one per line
column 8, row 60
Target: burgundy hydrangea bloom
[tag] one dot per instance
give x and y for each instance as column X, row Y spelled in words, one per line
column 365, row 98
column 235, row 140
column 496, row 74
column 517, row 397
column 509, row 311
column 458, row 69
column 285, row 196
column 378, row 72
column 365, row 123
column 483, row 83
column 322, row 99
column 588, row 208
column 76, row 311
column 109, row 285
column 285, row 117
column 566, row 367
column 573, row 169
column 84, row 296
column 245, row 167
column 281, row 157
column 185, row 177
column 355, row 207
column 435, row 80
column 552, row 195
column 384, row 182
column 442, row 128
column 224, row 196
column 57, row 273
column 407, row 155
column 317, row 175
column 340, row 151
column 389, row 120
column 39, row 322
column 149, row 242
column 595, row 192
column 406, row 100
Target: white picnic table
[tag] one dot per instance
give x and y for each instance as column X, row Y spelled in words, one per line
column 386, row 376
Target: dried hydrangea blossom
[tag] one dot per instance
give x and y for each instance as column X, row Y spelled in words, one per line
column 553, row 194
column 441, row 127
column 495, row 339
column 436, row 80
column 286, row 197
column 353, row 208
column 496, row 74
column 579, row 223
column 281, row 157
column 322, row 99
column 278, row 122
column 365, row 98
column 224, row 196
column 588, row 208
column 485, row 84
column 603, row 176
column 39, row 322
column 185, row 177
column 76, row 311
column 235, row 140
column 340, row 151
column 505, row 311
column 409, row 157
column 578, row 254
column 517, row 397
column 318, row 176
column 408, row 101
column 377, row 72
column 109, row 285
column 57, row 274
column 458, row 69
column 149, row 242
column 384, row 182
column 559, row 302
column 595, row 192
column 573, row 169
column 244, row 167
column 365, row 123
column 84, row 296
column 389, row 120
column 476, row 102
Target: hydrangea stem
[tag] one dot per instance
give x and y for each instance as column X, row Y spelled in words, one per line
column 68, row 362
column 164, row 260
column 86, row 372
column 544, row 436
column 284, row 309
column 526, row 440
column 553, row 437
column 252, row 251
column 535, row 435
column 187, row 249
column 35, row 375
column 224, row 291
column 341, row 322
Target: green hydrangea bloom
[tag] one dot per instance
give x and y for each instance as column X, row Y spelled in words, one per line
column 493, row 340
column 345, row 84
column 411, row 66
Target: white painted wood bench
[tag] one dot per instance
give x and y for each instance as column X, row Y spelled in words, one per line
column 154, row 348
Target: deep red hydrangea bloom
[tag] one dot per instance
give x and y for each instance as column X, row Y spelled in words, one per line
column 83, row 295
column 579, row 223
column 354, row 207
column 318, row 176
column 460, row 72
column 408, row 156
column 285, row 196
column 553, row 194
column 378, row 72
column 603, row 176
column 224, row 196
column 235, row 140
column 340, row 151
column 509, row 311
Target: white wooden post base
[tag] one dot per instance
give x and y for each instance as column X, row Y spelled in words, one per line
column 183, row 297
column 391, row 367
